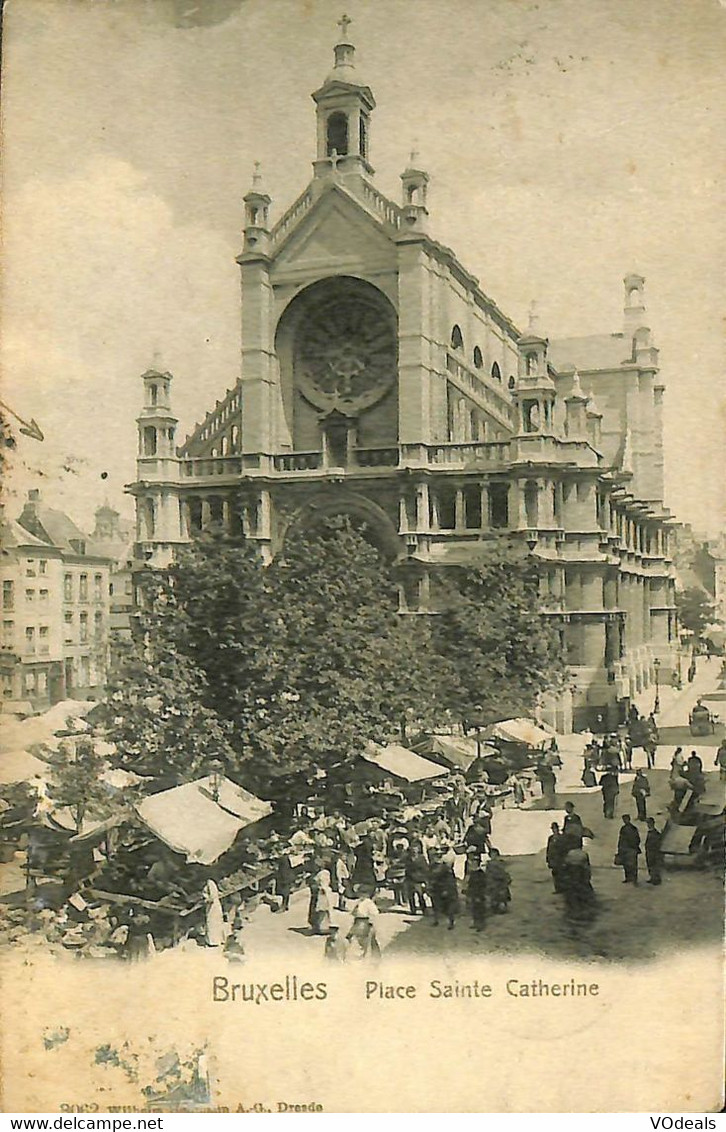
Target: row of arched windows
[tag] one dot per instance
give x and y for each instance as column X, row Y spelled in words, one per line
column 457, row 343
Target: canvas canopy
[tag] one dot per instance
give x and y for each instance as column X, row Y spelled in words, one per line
column 402, row 763
column 455, row 750
column 519, row 731
column 190, row 821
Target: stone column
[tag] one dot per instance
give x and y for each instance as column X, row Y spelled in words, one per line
column 422, row 507
column 264, row 526
column 485, row 507
column 460, row 513
column 402, row 514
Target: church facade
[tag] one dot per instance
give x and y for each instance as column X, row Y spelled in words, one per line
column 379, row 380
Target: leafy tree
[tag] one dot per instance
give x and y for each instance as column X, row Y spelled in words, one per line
column 351, row 669
column 156, row 712
column 501, row 653
column 77, row 768
column 695, row 609
column 306, row 658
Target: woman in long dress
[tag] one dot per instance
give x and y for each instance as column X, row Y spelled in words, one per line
column 215, row 924
column 362, row 937
column 321, row 901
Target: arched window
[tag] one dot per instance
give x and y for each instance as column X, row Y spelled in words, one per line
column 496, row 372
column 511, row 383
column 457, row 340
column 363, row 135
column 149, row 441
column 337, row 136
column 478, row 359
column 531, row 364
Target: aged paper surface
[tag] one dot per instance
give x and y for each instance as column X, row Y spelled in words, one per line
column 563, row 148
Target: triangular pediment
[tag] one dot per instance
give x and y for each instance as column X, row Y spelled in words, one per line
column 335, row 230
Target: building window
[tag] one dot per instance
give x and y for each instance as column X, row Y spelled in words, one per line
column 42, row 566
column 8, row 634
column 337, row 134
column 531, row 363
column 472, row 507
column 84, row 671
column 457, row 340
column 30, row 569
column 43, row 640
column 98, row 625
column 30, row 639
column 43, row 596
column 83, row 587
column 68, row 587
column 42, row 681
column 363, row 135
column 30, row 596
column 478, row 359
column 447, row 509
column 98, row 587
column 511, row 384
column 84, row 627
column 8, row 595
column 149, row 441
column 68, row 628
column 531, row 503
column 496, row 372
column 7, row 685
column 498, row 505
column 29, row 680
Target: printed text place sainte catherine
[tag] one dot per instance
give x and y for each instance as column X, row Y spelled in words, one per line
column 292, row 989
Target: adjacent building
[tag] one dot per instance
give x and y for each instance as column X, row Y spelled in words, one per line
column 55, row 609
column 379, row 380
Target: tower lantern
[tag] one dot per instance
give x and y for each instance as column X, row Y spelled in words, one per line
column 414, row 185
column 535, row 389
column 257, row 215
column 344, row 106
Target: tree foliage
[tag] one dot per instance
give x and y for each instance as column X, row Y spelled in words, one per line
column 501, row 653
column 157, row 712
column 77, row 785
column 287, row 670
column 695, row 609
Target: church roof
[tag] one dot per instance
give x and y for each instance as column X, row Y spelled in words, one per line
column 592, row 352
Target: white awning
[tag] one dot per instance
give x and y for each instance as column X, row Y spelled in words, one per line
column 402, row 763
column 192, row 820
column 520, row 731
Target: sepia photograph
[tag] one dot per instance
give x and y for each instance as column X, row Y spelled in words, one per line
column 363, row 530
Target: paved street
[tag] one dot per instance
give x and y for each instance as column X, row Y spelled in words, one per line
column 631, row 922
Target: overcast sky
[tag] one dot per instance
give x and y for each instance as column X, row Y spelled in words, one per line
column 568, row 143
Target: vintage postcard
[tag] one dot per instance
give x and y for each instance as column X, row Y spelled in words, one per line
column 364, row 556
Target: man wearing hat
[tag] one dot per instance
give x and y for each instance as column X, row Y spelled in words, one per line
column 476, row 889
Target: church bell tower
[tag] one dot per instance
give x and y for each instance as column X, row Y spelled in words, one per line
column 344, row 106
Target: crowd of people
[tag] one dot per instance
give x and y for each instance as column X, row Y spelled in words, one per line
column 414, row 862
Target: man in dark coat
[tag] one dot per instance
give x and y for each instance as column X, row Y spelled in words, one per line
column 629, row 850
column 572, row 823
column 653, row 853
column 417, row 872
column 554, row 855
column 442, row 889
column 476, row 890
column 640, row 791
column 478, row 833
column 610, row 788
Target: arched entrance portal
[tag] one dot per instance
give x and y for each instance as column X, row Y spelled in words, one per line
column 365, row 516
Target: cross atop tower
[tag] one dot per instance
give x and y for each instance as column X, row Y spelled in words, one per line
column 344, row 23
